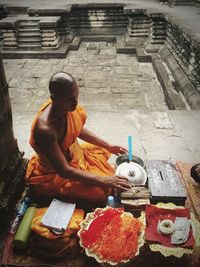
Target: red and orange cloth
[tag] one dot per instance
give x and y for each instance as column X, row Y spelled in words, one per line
column 111, row 235
column 154, row 214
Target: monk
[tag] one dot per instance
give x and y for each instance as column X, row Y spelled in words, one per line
column 61, row 166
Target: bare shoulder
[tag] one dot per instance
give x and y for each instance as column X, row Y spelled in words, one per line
column 44, row 133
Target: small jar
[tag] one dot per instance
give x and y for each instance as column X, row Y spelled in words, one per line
column 114, row 201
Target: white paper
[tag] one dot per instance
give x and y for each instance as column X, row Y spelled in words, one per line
column 58, row 215
column 182, row 230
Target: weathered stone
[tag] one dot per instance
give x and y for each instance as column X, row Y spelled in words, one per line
column 50, row 43
column 81, row 82
column 188, row 89
column 172, row 96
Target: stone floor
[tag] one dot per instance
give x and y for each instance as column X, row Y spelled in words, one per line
column 122, row 97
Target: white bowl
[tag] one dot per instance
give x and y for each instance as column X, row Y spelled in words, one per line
column 135, row 173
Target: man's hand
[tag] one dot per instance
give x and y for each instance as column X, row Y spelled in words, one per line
column 114, row 181
column 117, row 150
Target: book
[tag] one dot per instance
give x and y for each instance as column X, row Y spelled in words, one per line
column 58, row 215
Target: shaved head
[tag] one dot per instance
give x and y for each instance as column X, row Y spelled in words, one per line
column 61, row 82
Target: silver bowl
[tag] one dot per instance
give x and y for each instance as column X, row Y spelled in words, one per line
column 124, row 158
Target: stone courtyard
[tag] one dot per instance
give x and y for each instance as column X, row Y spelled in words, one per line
column 122, row 97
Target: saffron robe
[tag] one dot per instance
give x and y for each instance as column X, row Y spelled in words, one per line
column 46, row 244
column 43, row 179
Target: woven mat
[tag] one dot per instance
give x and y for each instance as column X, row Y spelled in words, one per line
column 192, row 188
column 26, row 258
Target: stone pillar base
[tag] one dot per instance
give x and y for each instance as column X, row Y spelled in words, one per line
column 12, row 184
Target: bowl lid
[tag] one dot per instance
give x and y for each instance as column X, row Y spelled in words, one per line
column 135, row 173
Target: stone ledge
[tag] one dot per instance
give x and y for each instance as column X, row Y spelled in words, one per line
column 126, row 50
column 49, row 12
column 9, row 22
column 172, row 97
column 75, row 43
column 43, row 54
column 142, row 56
column 98, row 38
column 98, row 5
column 121, row 47
column 49, row 21
column 188, row 90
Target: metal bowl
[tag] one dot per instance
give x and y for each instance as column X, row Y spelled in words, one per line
column 124, row 158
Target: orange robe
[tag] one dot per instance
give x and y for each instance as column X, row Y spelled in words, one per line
column 46, row 244
column 43, row 179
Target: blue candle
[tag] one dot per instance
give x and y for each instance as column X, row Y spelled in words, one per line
column 130, row 148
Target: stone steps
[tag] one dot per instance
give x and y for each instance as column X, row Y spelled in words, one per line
column 28, row 27
column 139, row 25
column 29, row 46
column 29, row 21
column 98, row 20
column 138, row 34
column 29, row 30
column 29, row 39
column 98, row 25
column 29, row 36
column 139, row 22
column 132, row 31
column 82, row 18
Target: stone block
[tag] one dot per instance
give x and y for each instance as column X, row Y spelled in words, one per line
column 9, row 43
column 8, row 34
column 142, row 56
column 48, row 34
column 49, row 43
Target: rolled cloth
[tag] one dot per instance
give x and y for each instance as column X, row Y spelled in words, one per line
column 22, row 236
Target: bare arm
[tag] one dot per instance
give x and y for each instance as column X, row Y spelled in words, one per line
column 90, row 137
column 47, row 142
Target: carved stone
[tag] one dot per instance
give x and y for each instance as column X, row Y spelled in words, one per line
column 12, row 164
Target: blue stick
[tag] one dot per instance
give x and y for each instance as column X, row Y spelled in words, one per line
column 130, row 148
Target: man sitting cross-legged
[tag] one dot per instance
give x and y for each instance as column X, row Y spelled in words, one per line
column 62, row 167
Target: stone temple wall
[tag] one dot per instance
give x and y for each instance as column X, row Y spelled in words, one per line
column 182, row 54
column 144, row 32
column 187, row 52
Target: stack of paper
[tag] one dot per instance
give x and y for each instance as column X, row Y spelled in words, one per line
column 58, row 215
